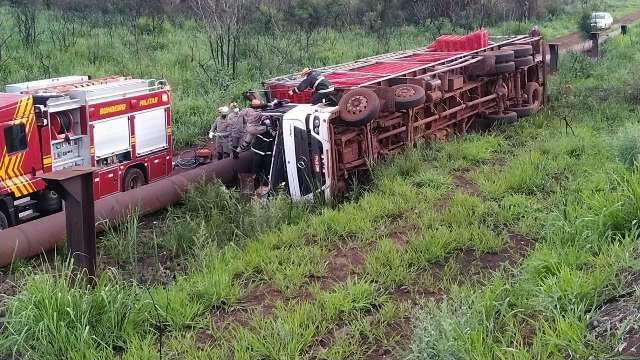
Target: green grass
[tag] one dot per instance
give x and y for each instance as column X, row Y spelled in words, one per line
column 572, row 193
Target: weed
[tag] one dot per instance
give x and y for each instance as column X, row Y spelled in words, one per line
column 55, row 317
column 627, row 145
column 121, row 242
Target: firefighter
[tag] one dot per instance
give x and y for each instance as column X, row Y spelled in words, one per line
column 535, row 32
column 236, row 128
column 323, row 89
column 260, row 139
column 220, row 130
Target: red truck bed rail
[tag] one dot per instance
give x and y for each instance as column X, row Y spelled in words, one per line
column 447, row 52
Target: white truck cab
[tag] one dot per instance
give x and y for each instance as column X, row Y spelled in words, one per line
column 302, row 156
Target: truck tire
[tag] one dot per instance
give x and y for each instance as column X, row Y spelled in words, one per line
column 49, row 202
column 133, row 179
column 505, row 68
column 483, row 67
column 504, row 118
column 524, row 61
column 501, row 56
column 525, row 111
column 520, row 51
column 4, row 222
column 358, row 107
column 408, row 96
column 534, row 93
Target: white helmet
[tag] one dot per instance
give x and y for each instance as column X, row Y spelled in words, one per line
column 224, row 110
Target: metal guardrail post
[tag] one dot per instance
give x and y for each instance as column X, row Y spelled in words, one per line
column 624, row 29
column 595, row 45
column 75, row 185
column 554, row 57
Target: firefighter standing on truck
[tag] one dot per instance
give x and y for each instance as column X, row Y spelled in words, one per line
column 236, row 128
column 323, row 89
column 220, row 129
column 259, row 139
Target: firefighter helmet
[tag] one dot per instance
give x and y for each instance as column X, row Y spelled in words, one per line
column 224, row 110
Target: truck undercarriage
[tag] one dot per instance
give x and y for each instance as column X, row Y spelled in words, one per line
column 381, row 113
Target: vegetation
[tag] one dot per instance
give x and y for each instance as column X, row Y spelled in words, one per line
column 211, row 51
column 507, row 245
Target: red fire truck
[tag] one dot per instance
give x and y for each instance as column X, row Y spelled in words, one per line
column 387, row 102
column 120, row 125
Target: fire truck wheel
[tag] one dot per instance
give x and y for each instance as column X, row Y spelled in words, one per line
column 408, row 96
column 534, row 93
column 505, row 68
column 524, row 62
column 504, row 118
column 501, row 56
column 49, row 202
column 133, row 179
column 4, row 223
column 358, row 107
column 525, row 110
column 485, row 66
column 520, row 51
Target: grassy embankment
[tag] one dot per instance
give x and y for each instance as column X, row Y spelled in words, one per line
column 507, row 244
column 179, row 53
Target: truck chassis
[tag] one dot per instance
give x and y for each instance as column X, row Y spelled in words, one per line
column 464, row 90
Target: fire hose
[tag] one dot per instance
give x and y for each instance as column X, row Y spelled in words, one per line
column 35, row 237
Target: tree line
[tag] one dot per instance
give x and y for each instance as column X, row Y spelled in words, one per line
column 231, row 26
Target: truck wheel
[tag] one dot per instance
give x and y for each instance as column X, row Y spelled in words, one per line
column 505, row 68
column 504, row 118
column 534, row 93
column 525, row 110
column 4, row 223
column 484, row 66
column 408, row 96
column 133, row 179
column 520, row 51
column 358, row 107
column 49, row 202
column 501, row 56
column 524, row 62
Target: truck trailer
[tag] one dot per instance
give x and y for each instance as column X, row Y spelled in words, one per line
column 384, row 103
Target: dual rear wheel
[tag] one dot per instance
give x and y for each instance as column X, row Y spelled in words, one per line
column 359, row 107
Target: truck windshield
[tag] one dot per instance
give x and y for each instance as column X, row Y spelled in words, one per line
column 599, row 16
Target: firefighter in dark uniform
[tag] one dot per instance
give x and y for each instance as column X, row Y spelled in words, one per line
column 260, row 139
column 323, row 89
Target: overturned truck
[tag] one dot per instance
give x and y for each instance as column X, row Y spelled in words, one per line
column 457, row 84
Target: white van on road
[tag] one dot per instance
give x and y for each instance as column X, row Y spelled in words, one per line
column 601, row 21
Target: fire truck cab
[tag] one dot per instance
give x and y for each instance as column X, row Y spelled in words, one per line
column 119, row 125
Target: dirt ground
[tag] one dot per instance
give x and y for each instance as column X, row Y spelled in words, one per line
column 619, row 319
column 577, row 38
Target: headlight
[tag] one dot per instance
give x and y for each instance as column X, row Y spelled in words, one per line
column 316, row 130
column 316, row 122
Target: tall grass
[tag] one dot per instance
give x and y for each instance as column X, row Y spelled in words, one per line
column 587, row 234
column 121, row 242
column 563, row 189
column 55, row 317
